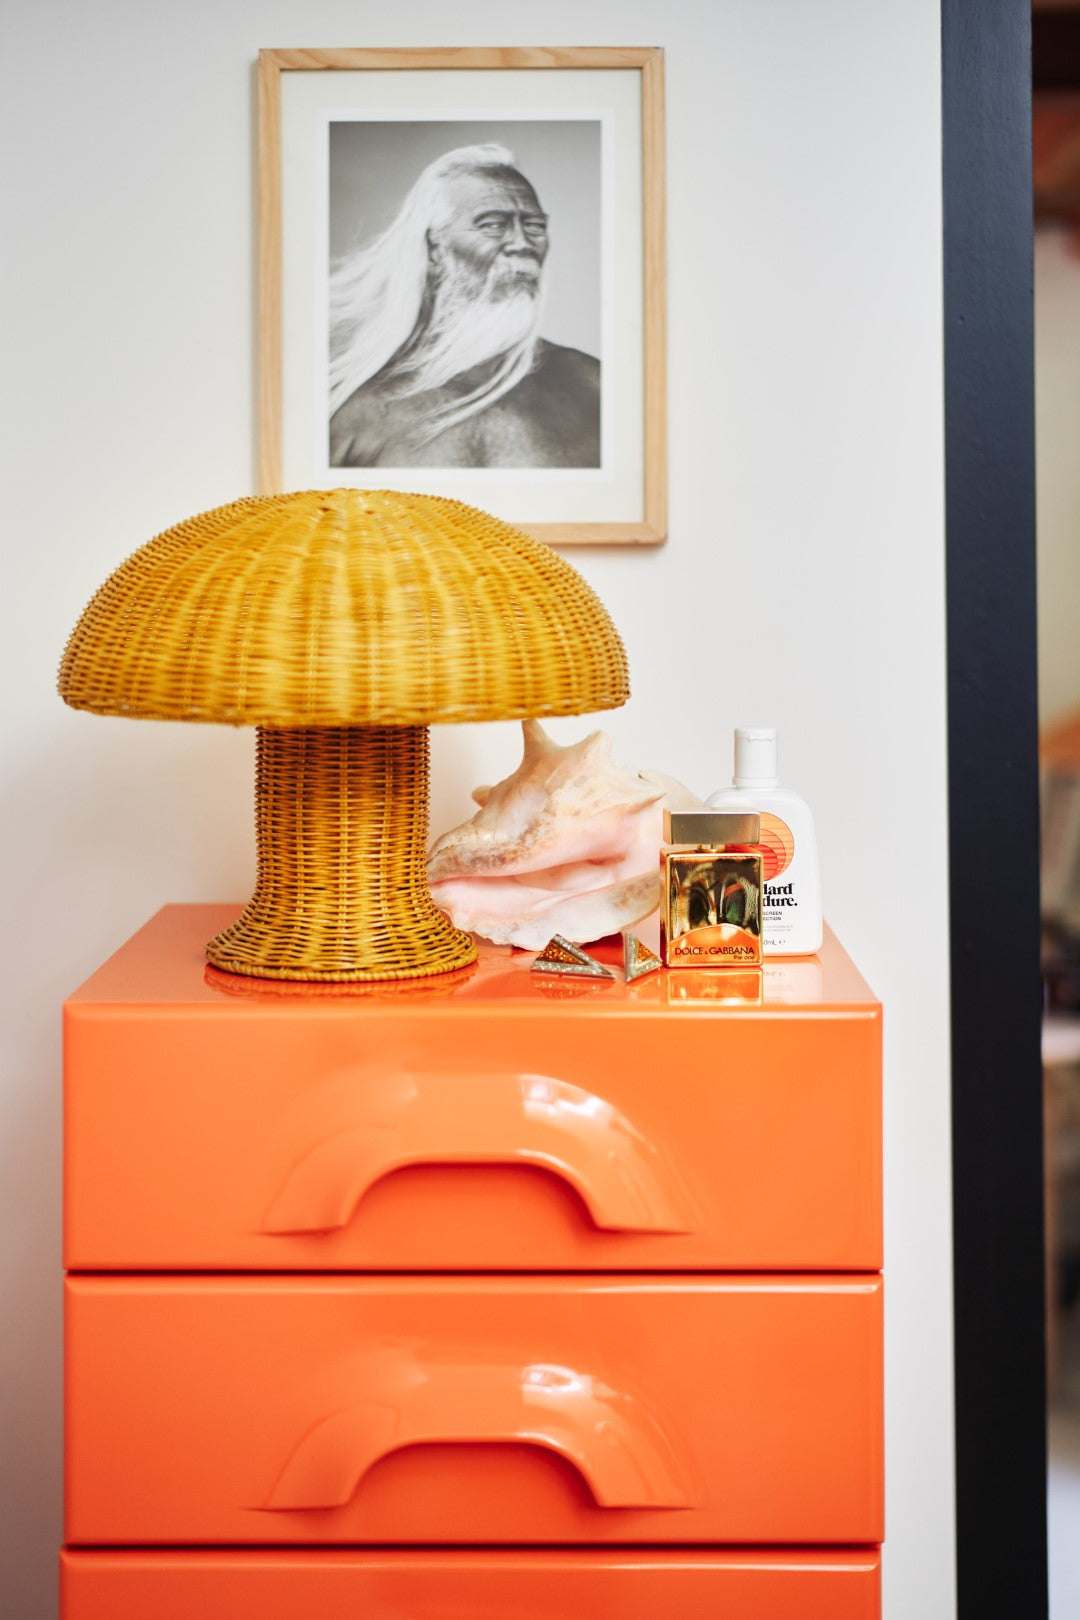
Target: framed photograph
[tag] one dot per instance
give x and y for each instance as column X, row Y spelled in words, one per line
column 462, row 288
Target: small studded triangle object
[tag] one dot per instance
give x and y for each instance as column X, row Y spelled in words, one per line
column 562, row 956
column 638, row 959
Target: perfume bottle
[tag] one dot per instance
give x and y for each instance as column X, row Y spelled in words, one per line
column 710, row 889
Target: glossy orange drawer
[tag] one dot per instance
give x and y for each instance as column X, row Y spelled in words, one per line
column 473, row 1585
column 474, row 1409
column 482, row 1125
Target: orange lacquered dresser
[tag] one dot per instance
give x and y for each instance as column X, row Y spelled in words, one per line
column 484, row 1295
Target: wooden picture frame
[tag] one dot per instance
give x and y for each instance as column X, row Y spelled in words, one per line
column 344, row 136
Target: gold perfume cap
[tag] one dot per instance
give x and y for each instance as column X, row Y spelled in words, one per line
column 712, row 827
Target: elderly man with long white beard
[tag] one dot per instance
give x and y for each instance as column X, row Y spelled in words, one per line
column 436, row 358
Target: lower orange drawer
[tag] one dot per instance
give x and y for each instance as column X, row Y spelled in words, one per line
column 484, row 1409
column 481, row 1585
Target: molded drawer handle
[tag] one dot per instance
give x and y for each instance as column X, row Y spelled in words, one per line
column 502, row 1118
column 616, row 1445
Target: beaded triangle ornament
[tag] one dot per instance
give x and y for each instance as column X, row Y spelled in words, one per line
column 638, row 959
column 563, row 956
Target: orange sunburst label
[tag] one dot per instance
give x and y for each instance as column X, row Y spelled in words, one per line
column 777, row 846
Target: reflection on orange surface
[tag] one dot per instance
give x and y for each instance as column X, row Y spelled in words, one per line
column 163, row 965
column 776, row 844
column 709, row 987
column 567, row 988
column 432, row 987
column 794, row 980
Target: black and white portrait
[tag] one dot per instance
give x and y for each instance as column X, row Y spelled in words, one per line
column 464, row 293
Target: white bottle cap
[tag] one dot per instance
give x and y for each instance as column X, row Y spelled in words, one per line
column 755, row 757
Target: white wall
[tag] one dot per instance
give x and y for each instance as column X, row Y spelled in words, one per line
column 806, row 477
column 1057, row 428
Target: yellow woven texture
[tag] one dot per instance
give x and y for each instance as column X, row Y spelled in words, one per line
column 340, row 623
column 344, row 607
column 341, row 893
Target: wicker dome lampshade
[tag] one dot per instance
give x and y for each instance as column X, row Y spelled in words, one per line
column 341, row 623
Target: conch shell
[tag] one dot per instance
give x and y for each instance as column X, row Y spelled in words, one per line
column 569, row 844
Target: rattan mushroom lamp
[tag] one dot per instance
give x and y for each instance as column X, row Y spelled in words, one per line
column 341, row 623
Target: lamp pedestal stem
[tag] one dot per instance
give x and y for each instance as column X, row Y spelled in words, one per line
column 341, row 894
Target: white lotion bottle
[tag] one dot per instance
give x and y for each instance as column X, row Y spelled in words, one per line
column 791, row 921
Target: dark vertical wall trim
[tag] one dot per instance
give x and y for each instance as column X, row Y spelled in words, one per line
column 993, row 812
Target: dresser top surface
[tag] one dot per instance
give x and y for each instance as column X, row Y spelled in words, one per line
column 163, row 965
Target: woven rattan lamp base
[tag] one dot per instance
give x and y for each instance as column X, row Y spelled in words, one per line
column 341, row 894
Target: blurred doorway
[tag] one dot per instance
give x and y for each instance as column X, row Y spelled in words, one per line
column 1056, row 196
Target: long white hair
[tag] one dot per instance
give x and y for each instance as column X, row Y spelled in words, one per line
column 378, row 294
